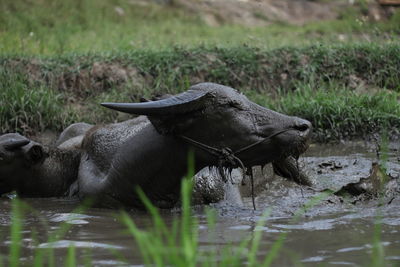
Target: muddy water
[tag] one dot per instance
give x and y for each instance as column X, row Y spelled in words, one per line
column 337, row 230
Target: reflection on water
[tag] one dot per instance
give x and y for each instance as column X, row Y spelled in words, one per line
column 330, row 233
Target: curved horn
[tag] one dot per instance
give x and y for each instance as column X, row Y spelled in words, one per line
column 184, row 102
column 14, row 144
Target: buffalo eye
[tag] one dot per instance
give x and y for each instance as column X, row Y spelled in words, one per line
column 35, row 153
column 236, row 104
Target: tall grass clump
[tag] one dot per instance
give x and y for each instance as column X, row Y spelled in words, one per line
column 30, row 107
column 337, row 112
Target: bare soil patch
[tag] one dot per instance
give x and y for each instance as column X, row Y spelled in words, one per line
column 265, row 12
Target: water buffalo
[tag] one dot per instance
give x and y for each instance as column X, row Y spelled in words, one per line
column 219, row 124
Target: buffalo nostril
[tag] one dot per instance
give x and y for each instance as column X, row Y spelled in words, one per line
column 303, row 127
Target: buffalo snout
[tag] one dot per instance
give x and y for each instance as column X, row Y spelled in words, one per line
column 304, row 127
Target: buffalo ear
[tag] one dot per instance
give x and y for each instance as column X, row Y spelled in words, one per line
column 36, row 154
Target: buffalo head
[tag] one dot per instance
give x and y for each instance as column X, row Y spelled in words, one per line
column 221, row 117
column 17, row 155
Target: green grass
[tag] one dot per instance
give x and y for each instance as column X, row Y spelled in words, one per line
column 59, row 59
column 172, row 70
column 339, row 113
column 344, row 90
column 28, row 107
column 16, row 234
column 53, row 27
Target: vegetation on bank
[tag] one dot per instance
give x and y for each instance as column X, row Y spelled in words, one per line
column 344, row 90
column 339, row 113
column 30, row 108
column 53, row 27
column 59, row 59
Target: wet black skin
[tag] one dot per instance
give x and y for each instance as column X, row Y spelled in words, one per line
column 154, row 156
column 33, row 171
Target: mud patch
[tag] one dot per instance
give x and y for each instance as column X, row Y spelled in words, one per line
column 261, row 13
column 344, row 177
column 81, row 80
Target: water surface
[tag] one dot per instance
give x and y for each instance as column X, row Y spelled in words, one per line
column 335, row 231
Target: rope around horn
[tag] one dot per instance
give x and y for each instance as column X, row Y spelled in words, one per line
column 228, row 159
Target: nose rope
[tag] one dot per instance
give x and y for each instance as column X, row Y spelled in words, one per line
column 261, row 141
column 226, row 157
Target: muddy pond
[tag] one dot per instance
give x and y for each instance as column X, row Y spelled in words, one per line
column 337, row 230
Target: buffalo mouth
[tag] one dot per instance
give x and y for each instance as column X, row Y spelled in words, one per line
column 290, row 142
column 288, row 164
column 296, row 140
column 289, row 168
column 296, row 151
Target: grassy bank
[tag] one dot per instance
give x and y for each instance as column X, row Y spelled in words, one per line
column 345, row 90
column 59, row 59
column 53, row 27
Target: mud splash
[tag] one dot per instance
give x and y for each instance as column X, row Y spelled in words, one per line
column 335, row 230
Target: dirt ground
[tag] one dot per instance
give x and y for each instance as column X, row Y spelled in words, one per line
column 265, row 12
